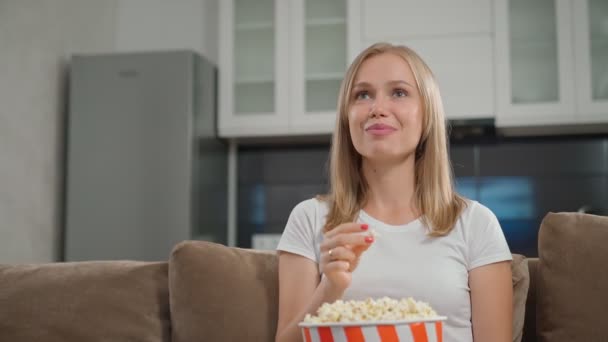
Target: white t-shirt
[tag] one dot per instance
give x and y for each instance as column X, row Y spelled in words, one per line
column 405, row 262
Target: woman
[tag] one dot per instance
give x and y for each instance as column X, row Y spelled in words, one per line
column 390, row 173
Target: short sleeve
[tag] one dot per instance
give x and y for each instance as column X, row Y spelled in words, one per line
column 299, row 234
column 487, row 243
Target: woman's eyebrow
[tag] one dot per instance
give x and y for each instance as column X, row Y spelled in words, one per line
column 361, row 85
column 400, row 82
column 392, row 82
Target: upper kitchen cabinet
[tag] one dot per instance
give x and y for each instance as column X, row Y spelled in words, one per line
column 534, row 62
column 321, row 46
column 281, row 64
column 455, row 38
column 384, row 19
column 551, row 62
column 253, row 68
column 591, row 57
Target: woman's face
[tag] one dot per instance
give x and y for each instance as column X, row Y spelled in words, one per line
column 385, row 113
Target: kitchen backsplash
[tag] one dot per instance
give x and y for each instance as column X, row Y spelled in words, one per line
column 520, row 179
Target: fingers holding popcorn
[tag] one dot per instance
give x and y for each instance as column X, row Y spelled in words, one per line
column 350, row 227
column 341, row 249
column 339, row 253
column 337, row 266
column 349, row 240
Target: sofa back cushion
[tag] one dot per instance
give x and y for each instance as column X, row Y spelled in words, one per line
column 572, row 281
column 219, row 293
column 85, row 301
column 231, row 294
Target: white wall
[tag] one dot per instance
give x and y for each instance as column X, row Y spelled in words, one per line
column 159, row 25
column 36, row 40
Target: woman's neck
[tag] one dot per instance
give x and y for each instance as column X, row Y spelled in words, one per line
column 391, row 194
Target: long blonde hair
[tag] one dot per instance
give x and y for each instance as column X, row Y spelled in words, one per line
column 439, row 204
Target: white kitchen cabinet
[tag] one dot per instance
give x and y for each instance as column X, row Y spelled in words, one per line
column 534, row 62
column 323, row 40
column 591, row 59
column 453, row 37
column 254, row 73
column 551, row 62
column 398, row 19
column 463, row 67
column 281, row 64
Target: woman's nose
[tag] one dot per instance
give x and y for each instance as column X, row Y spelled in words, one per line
column 377, row 108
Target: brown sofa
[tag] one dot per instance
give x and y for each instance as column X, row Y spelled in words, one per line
column 209, row 292
column 568, row 291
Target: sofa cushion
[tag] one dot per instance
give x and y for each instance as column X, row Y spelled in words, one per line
column 210, row 285
column 84, row 301
column 572, row 296
column 521, row 283
column 529, row 333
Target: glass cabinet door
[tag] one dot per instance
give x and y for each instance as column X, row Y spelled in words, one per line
column 598, row 40
column 533, row 53
column 325, row 53
column 319, row 46
column 254, row 51
column 535, row 63
column 253, row 67
column 591, row 56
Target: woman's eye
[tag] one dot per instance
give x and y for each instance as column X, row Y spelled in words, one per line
column 400, row 92
column 362, row 95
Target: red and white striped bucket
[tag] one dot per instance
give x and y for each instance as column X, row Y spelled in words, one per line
column 427, row 330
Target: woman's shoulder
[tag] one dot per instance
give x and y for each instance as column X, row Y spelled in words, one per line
column 311, row 205
column 312, row 208
column 476, row 213
column 309, row 215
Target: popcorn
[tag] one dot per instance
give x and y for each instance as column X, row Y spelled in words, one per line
column 374, row 233
column 383, row 309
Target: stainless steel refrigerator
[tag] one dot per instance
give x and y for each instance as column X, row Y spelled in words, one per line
column 144, row 169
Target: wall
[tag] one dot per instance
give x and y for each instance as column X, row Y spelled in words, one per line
column 36, row 40
column 159, row 25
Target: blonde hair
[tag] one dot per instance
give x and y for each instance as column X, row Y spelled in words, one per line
column 439, row 204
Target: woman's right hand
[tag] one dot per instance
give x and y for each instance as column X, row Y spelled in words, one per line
column 340, row 252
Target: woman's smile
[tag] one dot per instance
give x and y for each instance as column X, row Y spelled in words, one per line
column 380, row 129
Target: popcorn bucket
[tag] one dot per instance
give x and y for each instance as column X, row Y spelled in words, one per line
column 420, row 330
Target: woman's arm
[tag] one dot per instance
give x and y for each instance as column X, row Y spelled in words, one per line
column 492, row 302
column 300, row 292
